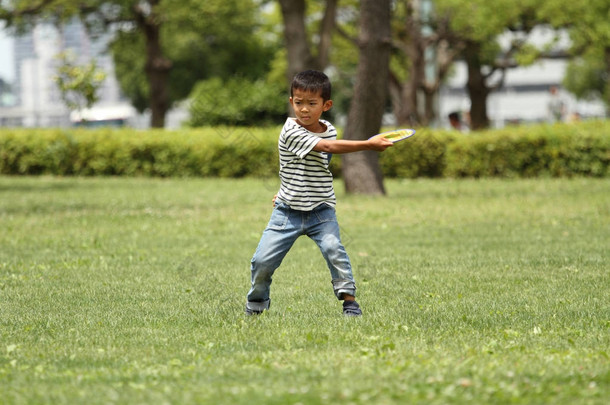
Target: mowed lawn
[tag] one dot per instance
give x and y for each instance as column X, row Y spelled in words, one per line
column 131, row 291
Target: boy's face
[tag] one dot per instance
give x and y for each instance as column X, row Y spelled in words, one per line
column 308, row 107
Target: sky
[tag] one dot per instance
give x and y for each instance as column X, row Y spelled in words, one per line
column 7, row 67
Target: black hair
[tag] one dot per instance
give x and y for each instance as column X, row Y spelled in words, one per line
column 313, row 81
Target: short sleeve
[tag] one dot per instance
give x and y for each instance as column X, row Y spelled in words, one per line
column 299, row 141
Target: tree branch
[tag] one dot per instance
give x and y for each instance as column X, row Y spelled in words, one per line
column 344, row 34
column 31, row 11
column 326, row 29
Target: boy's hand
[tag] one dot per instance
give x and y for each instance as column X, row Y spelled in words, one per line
column 273, row 201
column 380, row 143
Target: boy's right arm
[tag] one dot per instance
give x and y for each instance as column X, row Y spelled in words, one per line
column 377, row 143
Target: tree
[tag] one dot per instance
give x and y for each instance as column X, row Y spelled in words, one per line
column 162, row 47
column 215, row 44
column 478, row 24
column 361, row 171
column 588, row 75
column 424, row 49
column 299, row 53
column 142, row 14
column 426, row 41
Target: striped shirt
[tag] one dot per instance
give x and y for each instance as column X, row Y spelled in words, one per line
column 306, row 181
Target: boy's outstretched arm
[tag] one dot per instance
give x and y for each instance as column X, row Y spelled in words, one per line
column 377, row 143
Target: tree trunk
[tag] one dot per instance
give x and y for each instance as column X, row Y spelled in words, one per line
column 404, row 101
column 607, row 73
column 298, row 48
column 157, row 65
column 361, row 171
column 326, row 30
column 477, row 87
column 157, row 71
column 300, row 56
column 429, row 107
column 422, row 33
column 295, row 35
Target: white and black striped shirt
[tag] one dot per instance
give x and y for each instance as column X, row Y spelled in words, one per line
column 306, row 181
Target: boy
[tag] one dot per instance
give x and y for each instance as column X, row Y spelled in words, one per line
column 305, row 202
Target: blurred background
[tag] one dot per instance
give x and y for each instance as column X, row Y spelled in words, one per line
column 167, row 63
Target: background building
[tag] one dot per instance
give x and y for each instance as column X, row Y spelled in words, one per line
column 524, row 97
column 525, row 94
column 32, row 99
column 37, row 99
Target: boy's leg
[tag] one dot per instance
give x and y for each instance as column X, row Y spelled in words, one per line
column 276, row 241
column 327, row 236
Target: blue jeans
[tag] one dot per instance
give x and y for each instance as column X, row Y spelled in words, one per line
column 283, row 229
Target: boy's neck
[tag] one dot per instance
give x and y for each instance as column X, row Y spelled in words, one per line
column 317, row 128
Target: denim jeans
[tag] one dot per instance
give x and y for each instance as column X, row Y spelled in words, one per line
column 283, row 229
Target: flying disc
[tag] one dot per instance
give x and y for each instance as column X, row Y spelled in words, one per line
column 398, row 134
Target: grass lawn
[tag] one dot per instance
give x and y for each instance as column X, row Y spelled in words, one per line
column 131, row 291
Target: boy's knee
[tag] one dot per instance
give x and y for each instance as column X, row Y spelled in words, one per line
column 331, row 244
column 262, row 268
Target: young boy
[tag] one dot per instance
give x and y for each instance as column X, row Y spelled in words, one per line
column 305, row 202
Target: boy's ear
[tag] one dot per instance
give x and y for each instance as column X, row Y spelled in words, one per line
column 328, row 105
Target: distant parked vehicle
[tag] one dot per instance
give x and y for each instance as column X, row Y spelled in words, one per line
column 107, row 116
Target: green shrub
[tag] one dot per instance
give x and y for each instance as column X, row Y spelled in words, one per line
column 423, row 155
column 552, row 151
column 224, row 152
column 530, row 151
column 237, row 101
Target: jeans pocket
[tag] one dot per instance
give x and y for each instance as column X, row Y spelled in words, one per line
column 279, row 218
column 325, row 213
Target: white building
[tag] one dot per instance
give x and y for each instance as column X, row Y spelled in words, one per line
column 38, row 100
column 524, row 97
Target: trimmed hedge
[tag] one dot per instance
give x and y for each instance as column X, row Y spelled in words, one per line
column 220, row 152
column 581, row 149
column 546, row 150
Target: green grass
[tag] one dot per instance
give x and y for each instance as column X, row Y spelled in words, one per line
column 131, row 291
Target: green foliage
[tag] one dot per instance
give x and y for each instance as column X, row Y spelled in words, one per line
column 78, row 84
column 530, row 151
column 527, row 55
column 237, row 101
column 130, row 67
column 223, row 152
column 423, row 155
column 587, row 22
column 586, row 77
column 480, row 20
column 202, row 39
column 199, row 38
column 559, row 150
